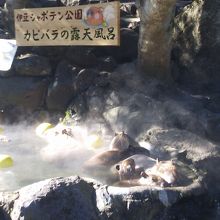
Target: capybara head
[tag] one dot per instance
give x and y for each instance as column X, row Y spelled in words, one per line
column 120, row 142
column 126, row 169
column 95, row 16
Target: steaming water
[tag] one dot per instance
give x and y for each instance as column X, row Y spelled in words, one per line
column 30, row 162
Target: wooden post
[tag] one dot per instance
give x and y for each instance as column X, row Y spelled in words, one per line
column 154, row 46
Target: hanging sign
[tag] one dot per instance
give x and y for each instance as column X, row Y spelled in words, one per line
column 95, row 24
column 8, row 49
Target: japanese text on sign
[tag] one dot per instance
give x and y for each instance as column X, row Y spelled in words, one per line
column 96, row 24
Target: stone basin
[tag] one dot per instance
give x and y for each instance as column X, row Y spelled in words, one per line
column 83, row 198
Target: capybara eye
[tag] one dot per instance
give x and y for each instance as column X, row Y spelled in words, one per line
column 117, row 167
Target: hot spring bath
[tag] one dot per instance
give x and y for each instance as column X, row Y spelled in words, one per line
column 36, row 158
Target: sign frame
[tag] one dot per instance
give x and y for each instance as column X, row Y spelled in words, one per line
column 89, row 25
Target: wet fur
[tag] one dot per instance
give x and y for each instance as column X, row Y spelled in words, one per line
column 165, row 170
column 127, row 170
column 162, row 174
column 123, row 141
column 101, row 164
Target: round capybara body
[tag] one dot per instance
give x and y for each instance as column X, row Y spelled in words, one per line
column 103, row 164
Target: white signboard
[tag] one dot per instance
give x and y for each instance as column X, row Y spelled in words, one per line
column 8, row 49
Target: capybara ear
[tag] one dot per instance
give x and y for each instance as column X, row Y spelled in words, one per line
column 117, row 167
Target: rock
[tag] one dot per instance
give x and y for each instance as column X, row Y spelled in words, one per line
column 84, row 79
column 26, row 92
column 198, row 151
column 81, row 56
column 122, row 119
column 3, row 33
column 131, row 113
column 103, row 79
column 42, row 3
column 95, row 100
column 128, row 9
column 82, row 199
column 112, row 100
column 7, row 73
column 61, row 91
column 112, row 116
column 212, row 126
column 197, row 45
column 128, row 15
column 95, row 105
column 213, row 103
column 131, row 23
column 122, row 54
column 177, row 115
column 107, row 64
column 197, row 147
column 211, row 167
column 53, row 53
column 140, row 101
column 70, row 198
column 78, row 105
column 32, row 65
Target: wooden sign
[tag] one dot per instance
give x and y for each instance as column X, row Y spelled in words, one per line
column 94, row 24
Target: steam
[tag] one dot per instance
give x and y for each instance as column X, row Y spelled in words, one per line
column 133, row 105
column 53, row 154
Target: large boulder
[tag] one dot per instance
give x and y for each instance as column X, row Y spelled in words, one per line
column 78, row 106
column 84, row 79
column 128, row 119
column 26, row 92
column 83, row 199
column 197, row 45
column 32, row 65
column 81, row 56
column 69, row 81
column 72, row 198
column 190, row 148
column 61, row 91
column 53, row 53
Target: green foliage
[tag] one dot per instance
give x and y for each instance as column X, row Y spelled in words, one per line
column 67, row 118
